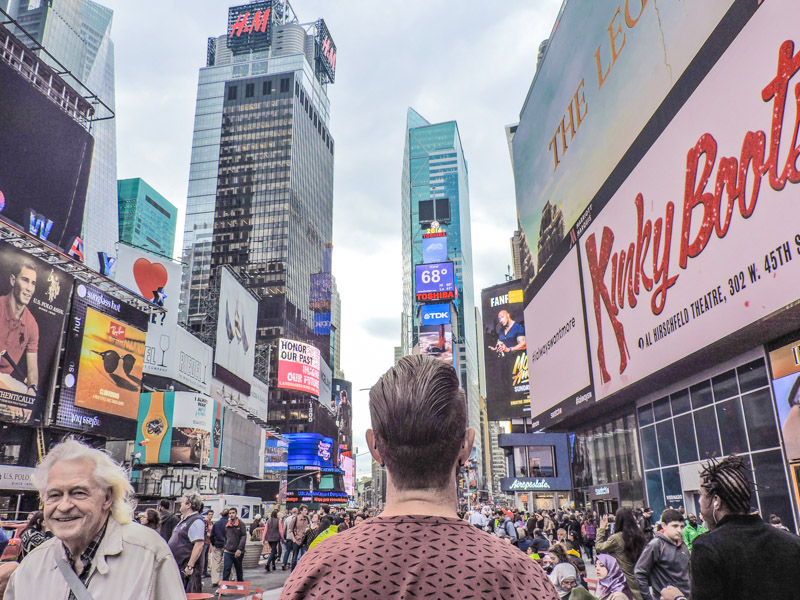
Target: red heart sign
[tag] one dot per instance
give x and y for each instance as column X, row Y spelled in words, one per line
column 149, row 276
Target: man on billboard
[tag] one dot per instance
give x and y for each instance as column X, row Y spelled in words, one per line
column 511, row 336
column 19, row 333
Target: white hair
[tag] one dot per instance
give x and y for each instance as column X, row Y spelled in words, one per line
column 108, row 474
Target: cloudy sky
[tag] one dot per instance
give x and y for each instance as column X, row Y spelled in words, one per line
column 468, row 61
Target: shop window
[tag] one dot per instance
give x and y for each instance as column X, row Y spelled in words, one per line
column 685, row 438
column 759, row 416
column 541, row 461
column 673, row 490
column 725, row 385
column 705, row 424
column 649, row 447
column 666, row 443
column 731, row 426
column 655, row 492
column 646, row 415
column 752, row 376
column 771, row 486
column 520, row 462
column 701, row 394
column 680, row 402
column 661, row 409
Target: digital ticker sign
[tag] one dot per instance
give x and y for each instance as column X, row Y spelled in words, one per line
column 435, row 282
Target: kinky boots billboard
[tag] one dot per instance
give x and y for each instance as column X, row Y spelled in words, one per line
column 703, row 235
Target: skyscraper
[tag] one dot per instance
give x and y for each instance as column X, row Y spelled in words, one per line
column 260, row 193
column 147, row 220
column 78, row 34
column 435, row 195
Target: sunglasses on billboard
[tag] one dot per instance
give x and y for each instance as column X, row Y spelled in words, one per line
column 111, row 361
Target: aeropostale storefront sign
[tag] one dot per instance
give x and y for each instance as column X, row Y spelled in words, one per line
column 703, row 237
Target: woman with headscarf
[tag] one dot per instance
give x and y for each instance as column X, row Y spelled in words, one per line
column 564, row 575
column 611, row 582
column 625, row 544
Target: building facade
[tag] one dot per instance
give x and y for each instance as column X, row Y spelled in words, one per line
column 260, row 196
column 147, row 220
column 78, row 34
column 435, row 191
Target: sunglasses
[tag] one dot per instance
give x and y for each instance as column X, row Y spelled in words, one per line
column 111, row 361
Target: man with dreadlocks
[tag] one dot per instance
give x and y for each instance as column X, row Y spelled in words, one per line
column 742, row 557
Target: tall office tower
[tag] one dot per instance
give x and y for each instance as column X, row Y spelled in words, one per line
column 147, row 220
column 260, row 196
column 78, row 34
column 436, row 230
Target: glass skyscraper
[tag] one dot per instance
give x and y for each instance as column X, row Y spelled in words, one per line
column 435, row 174
column 147, row 220
column 78, row 34
column 260, row 196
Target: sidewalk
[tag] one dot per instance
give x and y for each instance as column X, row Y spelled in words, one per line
column 272, row 581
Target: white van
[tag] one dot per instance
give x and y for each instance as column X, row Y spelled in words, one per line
column 246, row 507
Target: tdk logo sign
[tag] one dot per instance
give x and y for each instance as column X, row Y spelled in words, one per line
column 436, row 314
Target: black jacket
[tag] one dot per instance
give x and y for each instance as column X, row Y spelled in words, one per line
column 743, row 558
column 235, row 536
column 218, row 532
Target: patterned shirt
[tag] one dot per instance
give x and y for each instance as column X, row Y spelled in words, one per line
column 416, row 557
column 86, row 558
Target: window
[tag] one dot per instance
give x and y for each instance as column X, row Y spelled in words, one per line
column 267, row 88
column 725, row 385
column 771, row 486
column 685, row 438
column 249, row 90
column 646, row 415
column 541, row 461
column 731, row 426
column 232, row 92
column 649, row 447
column 752, row 376
column 661, row 409
column 701, row 394
column 705, row 424
column 666, row 443
column 759, row 414
column 285, row 84
column 680, row 402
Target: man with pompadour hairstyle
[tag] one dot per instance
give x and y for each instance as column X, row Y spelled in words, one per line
column 418, row 547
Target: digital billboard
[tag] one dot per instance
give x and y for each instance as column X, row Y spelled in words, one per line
column 322, row 323
column 249, row 27
column 276, row 458
column 309, row 450
column 102, row 374
column 435, row 314
column 436, row 341
column 326, row 51
column 44, row 172
column 236, row 327
column 434, row 249
column 434, row 282
column 558, row 363
column 180, row 428
column 298, row 366
column 504, row 352
column 348, row 465
column 607, row 68
column 342, row 389
column 321, row 291
column 325, row 381
column 785, row 366
column 34, row 298
column 675, row 261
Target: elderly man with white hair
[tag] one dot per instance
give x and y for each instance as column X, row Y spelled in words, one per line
column 98, row 552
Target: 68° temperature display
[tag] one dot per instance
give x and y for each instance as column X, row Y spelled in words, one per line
column 435, row 281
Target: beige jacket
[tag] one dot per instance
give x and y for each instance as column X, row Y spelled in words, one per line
column 133, row 562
